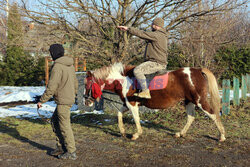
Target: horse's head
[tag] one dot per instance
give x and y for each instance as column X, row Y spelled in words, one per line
column 87, row 98
column 92, row 90
column 108, row 78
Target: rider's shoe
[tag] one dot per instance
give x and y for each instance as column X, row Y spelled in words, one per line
column 145, row 94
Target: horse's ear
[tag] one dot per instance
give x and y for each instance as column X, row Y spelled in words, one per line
column 89, row 74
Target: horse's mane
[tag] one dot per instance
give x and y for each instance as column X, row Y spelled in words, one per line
column 104, row 72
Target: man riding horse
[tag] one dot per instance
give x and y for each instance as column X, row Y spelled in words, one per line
column 155, row 57
column 190, row 85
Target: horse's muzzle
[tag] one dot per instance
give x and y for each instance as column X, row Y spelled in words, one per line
column 89, row 101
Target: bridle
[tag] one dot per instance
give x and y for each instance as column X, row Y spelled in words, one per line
column 93, row 89
column 88, row 97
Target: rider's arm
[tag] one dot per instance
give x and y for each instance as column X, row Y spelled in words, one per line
column 143, row 34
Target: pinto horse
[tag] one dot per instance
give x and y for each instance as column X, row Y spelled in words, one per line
column 191, row 85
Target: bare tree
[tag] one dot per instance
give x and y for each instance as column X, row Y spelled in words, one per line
column 201, row 38
column 91, row 24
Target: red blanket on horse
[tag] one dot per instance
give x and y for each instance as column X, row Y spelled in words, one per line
column 159, row 82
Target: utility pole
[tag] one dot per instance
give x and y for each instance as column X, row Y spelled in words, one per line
column 202, row 49
column 7, row 17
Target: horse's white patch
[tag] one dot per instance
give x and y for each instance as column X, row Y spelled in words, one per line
column 188, row 72
column 135, row 113
column 130, row 107
column 116, row 74
column 212, row 116
column 190, row 118
column 217, row 122
column 120, row 121
column 116, row 68
column 102, row 86
column 126, row 85
column 134, row 109
column 91, row 104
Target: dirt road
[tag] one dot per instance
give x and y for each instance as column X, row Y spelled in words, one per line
column 26, row 142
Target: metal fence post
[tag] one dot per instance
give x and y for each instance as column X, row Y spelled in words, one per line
column 248, row 83
column 244, row 87
column 236, row 99
column 226, row 96
column 46, row 64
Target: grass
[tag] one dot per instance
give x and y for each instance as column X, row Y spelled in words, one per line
column 159, row 126
column 98, row 140
column 14, row 131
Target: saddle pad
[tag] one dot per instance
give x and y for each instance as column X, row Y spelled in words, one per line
column 158, row 82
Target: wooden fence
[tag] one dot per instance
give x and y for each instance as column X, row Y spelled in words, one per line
column 226, row 87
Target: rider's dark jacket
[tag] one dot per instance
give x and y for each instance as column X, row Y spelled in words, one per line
column 156, row 49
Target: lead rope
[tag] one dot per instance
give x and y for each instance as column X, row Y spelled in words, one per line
column 47, row 120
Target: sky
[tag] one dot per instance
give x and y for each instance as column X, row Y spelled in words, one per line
column 35, row 5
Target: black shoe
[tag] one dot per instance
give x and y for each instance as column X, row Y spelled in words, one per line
column 68, row 155
column 56, row 151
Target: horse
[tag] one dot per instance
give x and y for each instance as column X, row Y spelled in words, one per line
column 191, row 85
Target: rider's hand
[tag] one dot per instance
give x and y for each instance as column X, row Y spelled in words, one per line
column 39, row 105
column 123, row 28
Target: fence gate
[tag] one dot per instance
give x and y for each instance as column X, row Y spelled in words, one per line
column 236, row 99
column 245, row 88
column 226, row 96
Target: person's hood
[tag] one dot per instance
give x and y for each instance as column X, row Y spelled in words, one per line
column 56, row 51
column 65, row 60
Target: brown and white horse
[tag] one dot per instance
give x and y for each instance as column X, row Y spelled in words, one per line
column 191, row 85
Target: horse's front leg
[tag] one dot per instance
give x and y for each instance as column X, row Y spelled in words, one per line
column 120, row 120
column 135, row 112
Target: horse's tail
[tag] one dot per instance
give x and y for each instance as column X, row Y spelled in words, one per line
column 213, row 90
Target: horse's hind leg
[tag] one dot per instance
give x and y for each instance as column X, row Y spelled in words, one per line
column 190, row 108
column 120, row 120
column 215, row 117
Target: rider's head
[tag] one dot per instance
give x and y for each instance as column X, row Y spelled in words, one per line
column 158, row 23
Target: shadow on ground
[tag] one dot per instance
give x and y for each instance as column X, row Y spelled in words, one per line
column 102, row 121
column 10, row 129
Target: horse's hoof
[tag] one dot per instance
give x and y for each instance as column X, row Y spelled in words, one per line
column 135, row 136
column 222, row 139
column 178, row 135
column 123, row 135
column 183, row 135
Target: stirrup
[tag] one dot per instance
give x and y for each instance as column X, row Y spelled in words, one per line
column 144, row 94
